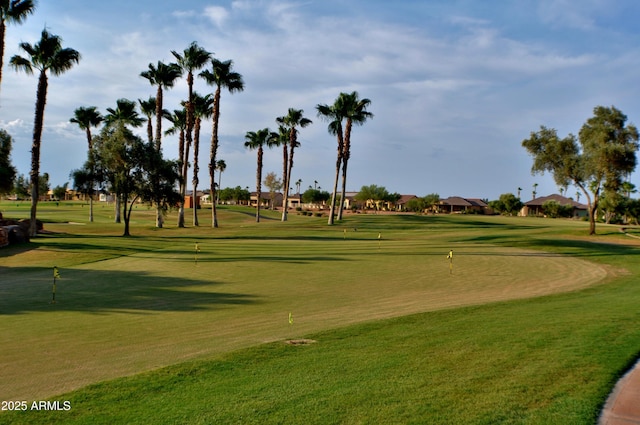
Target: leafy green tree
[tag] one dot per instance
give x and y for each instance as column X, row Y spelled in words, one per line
column 60, row 192
column 85, row 178
column 291, row 121
column 123, row 115
column 376, row 195
column 221, row 76
column 164, row 76
column 431, row 201
column 7, row 171
column 415, row 205
column 236, row 194
column 43, row 184
column 135, row 170
column 507, row 204
column 606, row 152
column 46, row 55
column 12, row 12
column 274, row 184
column 554, row 209
column 21, row 187
column 632, row 209
column 256, row 140
column 315, row 196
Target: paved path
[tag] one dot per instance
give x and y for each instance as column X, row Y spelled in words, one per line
column 623, row 405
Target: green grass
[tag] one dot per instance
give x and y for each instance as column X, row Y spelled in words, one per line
column 535, row 324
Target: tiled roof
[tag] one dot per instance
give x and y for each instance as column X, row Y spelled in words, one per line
column 538, row 202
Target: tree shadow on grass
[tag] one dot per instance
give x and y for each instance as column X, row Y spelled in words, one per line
column 572, row 247
column 30, row 289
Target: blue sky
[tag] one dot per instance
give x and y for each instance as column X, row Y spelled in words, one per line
column 455, row 85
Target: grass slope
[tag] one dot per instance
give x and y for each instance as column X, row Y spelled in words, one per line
column 136, row 304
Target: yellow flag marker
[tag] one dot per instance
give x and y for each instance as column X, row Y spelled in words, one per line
column 450, row 258
column 197, row 251
column 290, row 318
column 56, row 276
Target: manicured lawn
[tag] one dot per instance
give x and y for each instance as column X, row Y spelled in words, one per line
column 533, row 326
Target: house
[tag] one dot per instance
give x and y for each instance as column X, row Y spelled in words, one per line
column 400, row 205
column 534, row 206
column 265, row 199
column 459, row 205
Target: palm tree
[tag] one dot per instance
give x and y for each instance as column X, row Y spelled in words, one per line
column 334, row 114
column 12, row 11
column 179, row 121
column 193, row 58
column 124, row 114
column 291, row 121
column 163, row 76
column 46, row 55
column 148, row 109
column 86, row 118
column 283, row 140
column 298, row 183
column 221, row 76
column 202, row 109
column 257, row 140
column 221, row 166
column 355, row 113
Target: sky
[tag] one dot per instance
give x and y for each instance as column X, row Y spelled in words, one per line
column 455, row 85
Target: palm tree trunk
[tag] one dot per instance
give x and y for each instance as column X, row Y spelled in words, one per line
column 196, row 151
column 158, row 118
column 126, row 219
column 185, row 169
column 219, row 187
column 346, row 154
column 335, row 189
column 212, row 156
column 285, row 174
column 258, row 184
column 288, row 183
column 344, row 186
column 41, row 100
column 3, row 27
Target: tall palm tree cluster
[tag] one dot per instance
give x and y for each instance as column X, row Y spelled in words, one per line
column 48, row 56
column 348, row 109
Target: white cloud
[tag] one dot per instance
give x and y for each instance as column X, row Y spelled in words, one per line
column 217, row 14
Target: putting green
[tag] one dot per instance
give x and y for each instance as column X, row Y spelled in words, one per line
column 149, row 308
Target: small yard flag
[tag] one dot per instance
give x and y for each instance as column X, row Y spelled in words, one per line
column 290, row 318
column 197, row 251
column 450, row 257
column 56, row 276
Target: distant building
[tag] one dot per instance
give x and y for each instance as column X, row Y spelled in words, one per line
column 534, row 206
column 459, row 205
